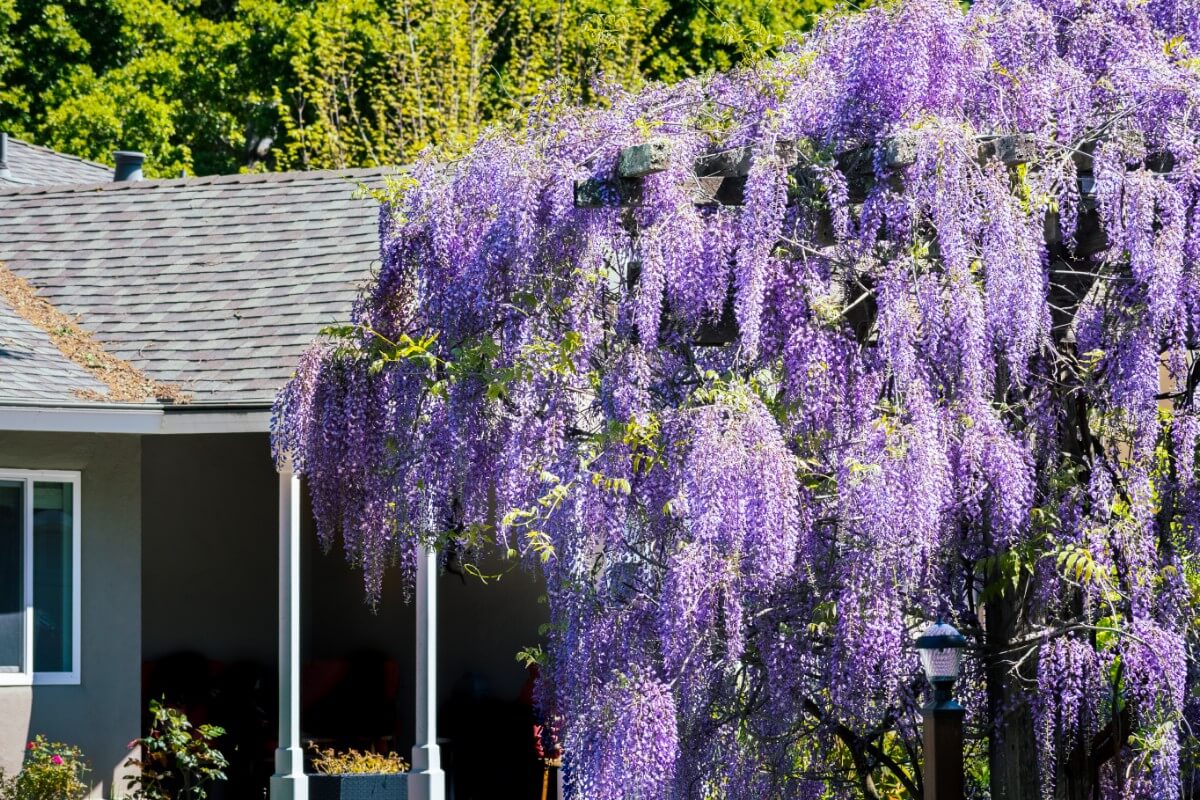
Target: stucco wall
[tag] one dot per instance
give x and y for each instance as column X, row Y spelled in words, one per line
column 210, row 547
column 101, row 715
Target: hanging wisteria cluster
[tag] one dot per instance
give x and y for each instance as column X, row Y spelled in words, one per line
column 768, row 370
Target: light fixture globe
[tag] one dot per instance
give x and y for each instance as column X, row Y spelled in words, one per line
column 941, row 652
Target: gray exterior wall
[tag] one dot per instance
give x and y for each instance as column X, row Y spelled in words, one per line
column 102, row 714
column 210, row 517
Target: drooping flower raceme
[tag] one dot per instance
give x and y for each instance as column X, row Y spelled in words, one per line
column 927, row 350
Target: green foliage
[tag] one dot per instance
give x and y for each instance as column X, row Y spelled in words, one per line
column 356, row 762
column 1076, row 563
column 167, row 77
column 214, row 87
column 701, row 35
column 51, row 771
column 9, row 50
column 379, row 80
column 178, row 761
column 531, row 656
column 375, row 81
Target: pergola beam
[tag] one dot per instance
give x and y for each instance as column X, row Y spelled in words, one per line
column 719, row 178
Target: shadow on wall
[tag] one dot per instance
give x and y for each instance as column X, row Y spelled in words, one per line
column 209, row 593
column 485, row 717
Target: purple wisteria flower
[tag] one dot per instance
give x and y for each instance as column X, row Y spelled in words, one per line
column 935, row 357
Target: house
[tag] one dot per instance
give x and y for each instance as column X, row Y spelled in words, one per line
column 147, row 543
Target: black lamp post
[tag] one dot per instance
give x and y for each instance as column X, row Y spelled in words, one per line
column 940, row 648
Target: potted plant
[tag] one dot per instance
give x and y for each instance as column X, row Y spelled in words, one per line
column 354, row 775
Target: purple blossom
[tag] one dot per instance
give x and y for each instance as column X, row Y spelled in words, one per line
column 947, row 396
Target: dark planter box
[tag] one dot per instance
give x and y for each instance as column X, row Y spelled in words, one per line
column 358, row 787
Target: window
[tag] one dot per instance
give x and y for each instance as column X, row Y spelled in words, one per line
column 39, row 577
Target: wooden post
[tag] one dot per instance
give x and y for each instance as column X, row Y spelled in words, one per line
column 943, row 737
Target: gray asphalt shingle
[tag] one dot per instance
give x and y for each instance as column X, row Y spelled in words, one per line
column 30, row 165
column 32, row 369
column 215, row 284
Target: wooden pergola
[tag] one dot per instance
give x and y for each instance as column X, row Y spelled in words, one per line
column 719, row 179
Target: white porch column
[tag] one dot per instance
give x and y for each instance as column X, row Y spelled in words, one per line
column 289, row 782
column 426, row 781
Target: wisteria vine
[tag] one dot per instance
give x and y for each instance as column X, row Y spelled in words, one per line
column 953, row 382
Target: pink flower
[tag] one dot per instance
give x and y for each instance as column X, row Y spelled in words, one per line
column 56, row 760
column 30, row 746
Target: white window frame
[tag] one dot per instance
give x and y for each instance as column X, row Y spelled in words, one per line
column 28, row 677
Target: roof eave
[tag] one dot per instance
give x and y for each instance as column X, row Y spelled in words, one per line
column 134, row 418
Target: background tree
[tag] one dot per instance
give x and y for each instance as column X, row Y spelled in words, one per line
column 378, row 80
column 214, row 86
column 185, row 82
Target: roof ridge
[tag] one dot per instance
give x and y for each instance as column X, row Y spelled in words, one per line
column 59, row 153
column 245, row 178
column 124, row 381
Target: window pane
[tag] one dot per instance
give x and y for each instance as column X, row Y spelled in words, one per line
column 52, row 608
column 12, row 570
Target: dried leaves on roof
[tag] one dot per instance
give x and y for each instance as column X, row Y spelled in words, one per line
column 125, row 383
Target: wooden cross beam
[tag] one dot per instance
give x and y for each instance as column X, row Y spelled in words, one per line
column 720, row 177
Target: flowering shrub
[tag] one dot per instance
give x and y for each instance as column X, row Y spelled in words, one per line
column 51, row 771
column 178, row 760
column 963, row 265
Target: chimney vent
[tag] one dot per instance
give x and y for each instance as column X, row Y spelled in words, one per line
column 129, row 165
column 5, row 172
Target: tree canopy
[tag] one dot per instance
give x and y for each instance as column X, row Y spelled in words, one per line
column 768, row 370
column 213, row 86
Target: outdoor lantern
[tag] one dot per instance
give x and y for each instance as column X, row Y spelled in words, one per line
column 941, row 656
column 941, row 653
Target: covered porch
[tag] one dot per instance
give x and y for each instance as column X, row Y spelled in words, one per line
column 269, row 637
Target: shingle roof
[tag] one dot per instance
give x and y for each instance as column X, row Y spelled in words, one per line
column 30, row 165
column 32, row 368
column 215, row 284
